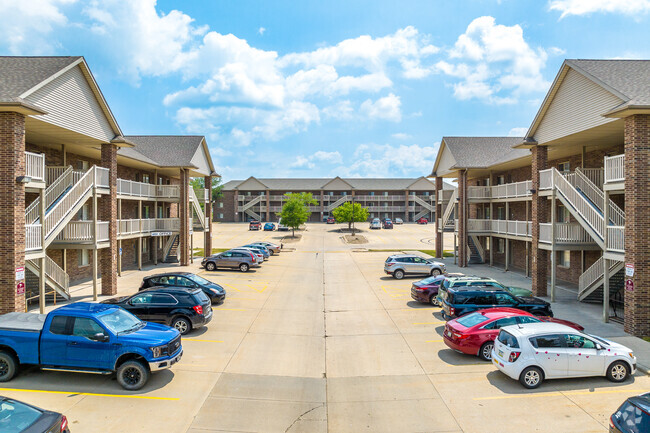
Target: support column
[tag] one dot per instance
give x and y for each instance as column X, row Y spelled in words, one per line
column 527, row 244
column 108, row 213
column 406, row 206
column 268, row 205
column 462, row 219
column 155, row 215
column 41, row 276
column 183, row 211
column 140, row 236
column 539, row 214
column 119, row 242
column 12, row 214
column 605, row 261
column 438, row 217
column 553, row 251
column 95, row 258
column 507, row 241
column 207, row 235
column 637, row 223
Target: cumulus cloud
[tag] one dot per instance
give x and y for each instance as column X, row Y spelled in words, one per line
column 320, row 157
column 374, row 160
column 585, row 7
column 518, row 132
column 386, row 108
column 261, row 30
column 401, row 136
column 493, row 62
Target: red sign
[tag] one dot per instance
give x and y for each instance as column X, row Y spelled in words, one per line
column 20, row 288
column 629, row 285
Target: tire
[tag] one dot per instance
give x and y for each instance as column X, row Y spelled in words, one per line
column 271, row 252
column 182, row 325
column 432, row 300
column 398, row 274
column 8, row 366
column 244, row 267
column 435, row 272
column 531, row 377
column 210, row 267
column 132, row 375
column 618, row 371
column 486, row 351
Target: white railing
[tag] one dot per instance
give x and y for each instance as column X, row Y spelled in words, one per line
column 253, row 202
column 424, row 203
column 33, row 240
column 128, row 226
column 57, row 274
column 35, row 165
column 504, row 227
column 445, row 194
column 579, row 203
column 283, row 198
column 478, row 192
column 616, row 238
column 594, row 273
column 102, row 231
column 546, row 179
column 52, row 192
column 545, row 232
column 102, row 177
column 168, row 191
column 62, row 208
column 135, row 189
column 615, row 168
column 565, row 233
column 476, row 225
column 596, row 195
column 450, row 207
column 53, row 172
column 595, row 175
column 77, row 231
column 197, row 207
column 338, row 202
column 512, row 190
column 387, row 208
column 168, row 224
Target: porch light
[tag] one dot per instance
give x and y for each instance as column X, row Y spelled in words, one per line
column 532, row 191
column 23, row 179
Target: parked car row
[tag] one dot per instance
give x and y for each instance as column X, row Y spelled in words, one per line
column 243, row 258
column 267, row 227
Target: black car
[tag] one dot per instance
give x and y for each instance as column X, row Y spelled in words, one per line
column 215, row 292
column 633, row 416
column 387, row 224
column 177, row 307
column 457, row 301
column 16, row 416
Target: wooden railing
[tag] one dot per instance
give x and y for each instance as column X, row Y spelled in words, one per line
column 615, row 168
column 35, row 166
column 33, row 240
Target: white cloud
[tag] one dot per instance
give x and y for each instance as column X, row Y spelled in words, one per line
column 342, row 110
column 386, row 108
column 261, row 30
column 584, row 7
column 374, row 160
column 26, row 25
column 518, row 132
column 494, row 63
column 401, row 136
column 318, row 158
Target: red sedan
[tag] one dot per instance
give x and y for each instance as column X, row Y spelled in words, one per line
column 474, row 333
column 423, row 221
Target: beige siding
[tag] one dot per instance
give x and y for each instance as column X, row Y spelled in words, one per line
column 337, row 185
column 71, row 104
column 422, row 185
column 200, row 159
column 447, row 160
column 251, row 185
column 577, row 106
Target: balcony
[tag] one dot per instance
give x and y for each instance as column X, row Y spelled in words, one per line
column 130, row 188
column 499, row 192
column 444, row 195
column 567, row 235
column 614, row 172
column 500, row 227
column 82, row 231
column 616, row 239
column 35, row 166
column 138, row 227
column 33, row 238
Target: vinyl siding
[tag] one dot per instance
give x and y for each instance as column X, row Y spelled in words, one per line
column 200, row 159
column 251, row 185
column 337, row 185
column 577, row 106
column 447, row 160
column 71, row 104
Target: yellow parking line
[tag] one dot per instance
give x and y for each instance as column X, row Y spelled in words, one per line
column 203, row 341
column 429, row 323
column 90, row 394
column 563, row 394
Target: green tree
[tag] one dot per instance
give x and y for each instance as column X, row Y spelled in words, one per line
column 295, row 211
column 350, row 212
column 217, row 186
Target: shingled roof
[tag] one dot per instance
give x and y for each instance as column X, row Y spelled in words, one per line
column 314, row 184
column 19, row 74
column 483, row 152
column 164, row 150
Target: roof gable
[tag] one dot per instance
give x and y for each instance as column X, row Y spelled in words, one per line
column 202, row 159
column 337, row 184
column 20, row 74
column 422, row 184
column 251, row 184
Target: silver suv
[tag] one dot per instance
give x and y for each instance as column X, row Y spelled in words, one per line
column 403, row 264
column 241, row 260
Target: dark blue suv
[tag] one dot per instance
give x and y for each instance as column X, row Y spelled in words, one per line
column 457, row 301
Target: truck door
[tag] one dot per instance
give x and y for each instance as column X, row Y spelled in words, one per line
column 83, row 349
column 54, row 341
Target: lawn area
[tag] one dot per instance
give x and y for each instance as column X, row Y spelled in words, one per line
column 199, row 251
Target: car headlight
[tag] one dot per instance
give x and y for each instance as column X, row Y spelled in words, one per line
column 157, row 351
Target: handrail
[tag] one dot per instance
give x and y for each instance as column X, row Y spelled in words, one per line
column 52, row 192
column 57, row 274
column 35, row 165
column 585, row 210
column 596, row 195
column 253, row 202
column 478, row 246
column 565, row 233
column 616, row 238
column 52, row 172
column 33, row 239
column 615, row 168
column 423, row 203
column 68, row 201
column 546, row 179
column 342, row 199
column 594, row 273
column 595, row 175
column 449, row 208
column 197, row 207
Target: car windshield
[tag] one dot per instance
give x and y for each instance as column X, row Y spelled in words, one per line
column 197, row 279
column 600, row 340
column 472, row 319
column 16, row 417
column 432, row 280
column 119, row 320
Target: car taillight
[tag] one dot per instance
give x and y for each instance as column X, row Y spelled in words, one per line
column 198, row 309
column 390, row 264
column 513, row 356
column 452, row 311
column 64, row 423
column 460, row 336
column 611, row 422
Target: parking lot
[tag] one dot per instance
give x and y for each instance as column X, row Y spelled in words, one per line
column 320, row 339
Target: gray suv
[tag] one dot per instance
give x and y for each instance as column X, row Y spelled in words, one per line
column 400, row 265
column 241, row 260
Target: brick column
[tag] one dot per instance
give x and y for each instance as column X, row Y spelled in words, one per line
column 184, row 215
column 268, row 206
column 539, row 214
column 438, row 216
column 462, row 219
column 207, row 236
column 637, row 222
column 108, row 212
column 406, row 206
column 322, row 205
column 12, row 213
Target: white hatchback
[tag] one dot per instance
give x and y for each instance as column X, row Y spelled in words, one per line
column 534, row 352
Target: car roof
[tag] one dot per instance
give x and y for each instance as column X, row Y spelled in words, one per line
column 172, row 289
column 642, row 401
column 166, row 274
column 403, row 255
column 501, row 312
column 471, row 278
column 530, row 329
column 476, row 288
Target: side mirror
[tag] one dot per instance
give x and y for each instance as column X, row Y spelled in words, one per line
column 599, row 347
column 101, row 337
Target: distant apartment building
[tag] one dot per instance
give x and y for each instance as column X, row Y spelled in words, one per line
column 262, row 199
column 568, row 202
column 80, row 200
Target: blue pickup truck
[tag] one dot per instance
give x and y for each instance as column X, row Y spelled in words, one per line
column 88, row 338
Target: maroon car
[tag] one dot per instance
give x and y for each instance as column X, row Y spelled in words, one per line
column 426, row 290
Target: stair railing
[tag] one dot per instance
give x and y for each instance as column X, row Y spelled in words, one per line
column 594, row 273
column 597, row 196
column 450, row 207
column 197, row 207
column 52, row 192
column 579, row 203
column 62, row 208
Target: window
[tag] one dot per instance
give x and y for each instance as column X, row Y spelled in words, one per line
column 371, row 193
column 418, row 260
column 184, row 282
column 471, row 319
column 84, row 327
column 84, row 212
column 578, row 342
column 547, row 341
column 632, row 418
column 426, row 193
column 501, row 213
column 563, row 167
column 344, row 193
column 562, row 214
column 160, row 212
column 508, row 339
column 161, row 181
column 84, row 258
column 59, row 325
column 145, row 212
column 331, row 193
column 145, row 246
column 83, row 165
column 504, row 299
column 501, row 245
column 220, row 216
column 226, row 255
column 564, row 258
column 248, row 193
column 221, row 204
column 501, row 180
column 141, row 299
column 483, row 299
column 385, row 193
column 528, row 319
column 145, row 178
column 506, row 321
column 163, row 298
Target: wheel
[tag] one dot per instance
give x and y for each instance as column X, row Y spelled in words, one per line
column 531, row 377
column 210, row 266
column 618, row 371
column 433, row 301
column 182, row 325
column 8, row 366
column 435, row 272
column 272, row 252
column 486, row 351
column 132, row 375
column 398, row 274
column 243, row 267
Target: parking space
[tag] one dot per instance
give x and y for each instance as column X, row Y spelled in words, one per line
column 320, row 339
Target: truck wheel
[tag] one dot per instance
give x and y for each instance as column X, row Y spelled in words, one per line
column 210, row 266
column 8, row 366
column 132, row 375
column 182, row 325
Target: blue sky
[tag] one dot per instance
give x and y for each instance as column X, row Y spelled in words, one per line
column 318, row 89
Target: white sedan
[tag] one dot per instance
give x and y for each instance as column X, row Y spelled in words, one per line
column 534, row 352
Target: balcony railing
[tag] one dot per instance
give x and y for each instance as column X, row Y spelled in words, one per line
column 35, row 166
column 445, row 194
column 83, row 231
column 565, row 233
column 546, row 179
column 33, row 240
column 615, row 168
column 508, row 190
column 478, row 192
column 102, row 177
column 502, row 227
column 142, row 189
column 616, row 238
column 126, row 227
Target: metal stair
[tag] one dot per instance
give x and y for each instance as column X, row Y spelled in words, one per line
column 171, row 249
column 616, row 284
column 593, row 278
column 449, row 209
column 55, row 277
column 338, row 203
column 58, row 186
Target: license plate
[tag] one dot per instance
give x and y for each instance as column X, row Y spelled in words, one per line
column 448, row 333
column 501, row 353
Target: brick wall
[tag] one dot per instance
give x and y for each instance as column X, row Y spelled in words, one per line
column 108, row 212
column 540, row 213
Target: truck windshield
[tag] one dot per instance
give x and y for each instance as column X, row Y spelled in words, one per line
column 120, row 320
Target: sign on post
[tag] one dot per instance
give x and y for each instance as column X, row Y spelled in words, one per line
column 629, row 270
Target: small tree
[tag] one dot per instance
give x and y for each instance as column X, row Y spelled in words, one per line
column 349, row 213
column 295, row 211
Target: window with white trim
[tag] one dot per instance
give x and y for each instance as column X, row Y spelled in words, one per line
column 564, row 258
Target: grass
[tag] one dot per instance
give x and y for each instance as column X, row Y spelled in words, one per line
column 647, row 339
column 446, row 253
column 199, row 251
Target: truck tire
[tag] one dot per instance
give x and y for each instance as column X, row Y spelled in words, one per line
column 8, row 366
column 132, row 375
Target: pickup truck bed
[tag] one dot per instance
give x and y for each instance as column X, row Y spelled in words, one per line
column 22, row 321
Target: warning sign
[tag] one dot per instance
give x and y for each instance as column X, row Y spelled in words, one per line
column 20, row 288
column 20, row 273
column 629, row 270
column 629, row 285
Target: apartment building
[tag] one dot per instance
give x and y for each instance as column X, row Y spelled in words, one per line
column 262, row 199
column 568, row 202
column 79, row 200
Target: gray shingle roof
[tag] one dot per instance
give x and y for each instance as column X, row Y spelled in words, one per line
column 483, row 152
column 163, row 150
column 20, row 74
column 630, row 78
column 314, row 184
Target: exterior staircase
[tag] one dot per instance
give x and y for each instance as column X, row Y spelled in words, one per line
column 592, row 280
column 247, row 208
column 447, row 221
column 55, row 277
column 200, row 214
column 476, row 251
column 330, row 207
column 171, row 249
column 428, row 207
